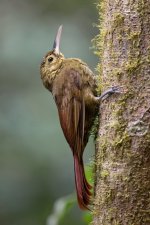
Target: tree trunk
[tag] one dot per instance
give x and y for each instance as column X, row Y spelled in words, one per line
column 122, row 190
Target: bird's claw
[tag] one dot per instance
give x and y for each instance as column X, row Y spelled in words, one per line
column 115, row 89
column 119, row 89
column 110, row 91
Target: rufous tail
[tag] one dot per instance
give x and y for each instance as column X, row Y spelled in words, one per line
column 83, row 188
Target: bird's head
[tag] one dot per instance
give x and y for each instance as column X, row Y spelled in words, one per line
column 52, row 61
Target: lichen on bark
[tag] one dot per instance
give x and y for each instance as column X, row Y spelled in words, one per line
column 122, row 191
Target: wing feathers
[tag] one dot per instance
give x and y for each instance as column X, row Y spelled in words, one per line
column 72, row 114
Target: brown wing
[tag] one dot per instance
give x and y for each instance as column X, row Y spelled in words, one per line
column 71, row 109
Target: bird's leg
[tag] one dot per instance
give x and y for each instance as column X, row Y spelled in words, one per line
column 108, row 92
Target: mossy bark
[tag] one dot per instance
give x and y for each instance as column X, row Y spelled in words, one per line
column 122, row 190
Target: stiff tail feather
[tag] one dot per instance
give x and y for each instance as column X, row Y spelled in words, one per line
column 83, row 188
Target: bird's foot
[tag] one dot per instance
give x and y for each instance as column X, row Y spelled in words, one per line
column 110, row 91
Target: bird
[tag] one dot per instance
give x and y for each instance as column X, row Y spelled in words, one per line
column 73, row 86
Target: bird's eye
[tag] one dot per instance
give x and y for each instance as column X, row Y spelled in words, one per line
column 50, row 59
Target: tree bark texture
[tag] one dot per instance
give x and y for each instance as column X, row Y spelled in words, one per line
column 122, row 190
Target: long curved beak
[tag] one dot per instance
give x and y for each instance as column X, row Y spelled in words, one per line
column 56, row 44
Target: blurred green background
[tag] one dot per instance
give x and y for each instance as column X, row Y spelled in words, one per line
column 36, row 165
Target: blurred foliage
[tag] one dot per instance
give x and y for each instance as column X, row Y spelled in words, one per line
column 64, row 205
column 36, row 165
column 61, row 209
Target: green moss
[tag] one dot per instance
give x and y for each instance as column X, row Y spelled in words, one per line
column 95, row 127
column 104, row 173
column 103, row 143
column 131, row 65
column 122, row 140
column 134, row 35
column 118, row 19
column 98, row 40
